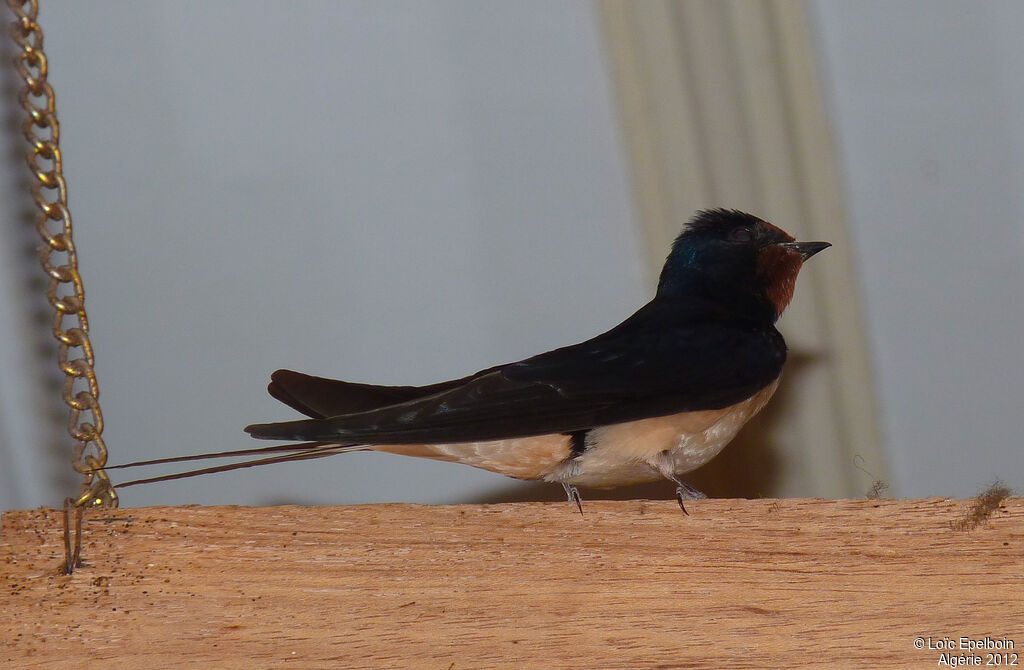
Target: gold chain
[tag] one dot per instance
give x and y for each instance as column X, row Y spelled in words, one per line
column 59, row 260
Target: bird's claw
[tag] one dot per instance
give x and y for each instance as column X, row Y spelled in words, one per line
column 686, row 492
column 574, row 496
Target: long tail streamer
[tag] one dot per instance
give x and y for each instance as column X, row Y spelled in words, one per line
column 295, row 452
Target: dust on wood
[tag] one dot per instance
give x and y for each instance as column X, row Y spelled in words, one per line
column 635, row 584
column 982, row 507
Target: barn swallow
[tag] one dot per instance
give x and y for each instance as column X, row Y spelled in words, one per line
column 657, row 396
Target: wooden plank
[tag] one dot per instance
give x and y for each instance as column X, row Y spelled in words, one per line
column 791, row 583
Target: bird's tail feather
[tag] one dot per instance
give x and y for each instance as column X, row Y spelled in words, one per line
column 319, row 398
column 316, row 397
column 286, row 452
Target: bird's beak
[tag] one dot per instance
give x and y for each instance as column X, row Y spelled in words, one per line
column 805, row 249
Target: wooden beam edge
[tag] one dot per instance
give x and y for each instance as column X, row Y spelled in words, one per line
column 789, row 583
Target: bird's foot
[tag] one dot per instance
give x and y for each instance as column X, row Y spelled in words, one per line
column 574, row 496
column 686, row 492
column 664, row 464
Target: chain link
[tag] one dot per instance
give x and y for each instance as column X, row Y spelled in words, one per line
column 59, row 258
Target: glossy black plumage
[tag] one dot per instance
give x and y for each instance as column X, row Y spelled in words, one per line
column 657, row 396
column 705, row 342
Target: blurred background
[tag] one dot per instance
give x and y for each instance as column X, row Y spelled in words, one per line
column 406, row 192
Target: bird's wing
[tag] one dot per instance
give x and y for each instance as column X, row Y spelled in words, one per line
column 624, row 375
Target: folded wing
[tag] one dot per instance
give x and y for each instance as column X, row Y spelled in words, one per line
column 626, row 374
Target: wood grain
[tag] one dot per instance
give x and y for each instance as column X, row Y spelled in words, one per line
column 791, row 583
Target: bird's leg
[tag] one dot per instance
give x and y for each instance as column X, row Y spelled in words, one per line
column 686, row 492
column 574, row 496
column 664, row 464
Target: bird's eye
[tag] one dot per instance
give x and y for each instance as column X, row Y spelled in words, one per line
column 741, row 235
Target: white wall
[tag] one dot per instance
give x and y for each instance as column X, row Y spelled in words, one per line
column 405, row 192
column 928, row 104
column 391, row 193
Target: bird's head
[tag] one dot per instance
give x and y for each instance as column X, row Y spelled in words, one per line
column 735, row 258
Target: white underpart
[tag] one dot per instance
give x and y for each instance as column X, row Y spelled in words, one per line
column 624, row 453
column 641, row 451
column 523, row 457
